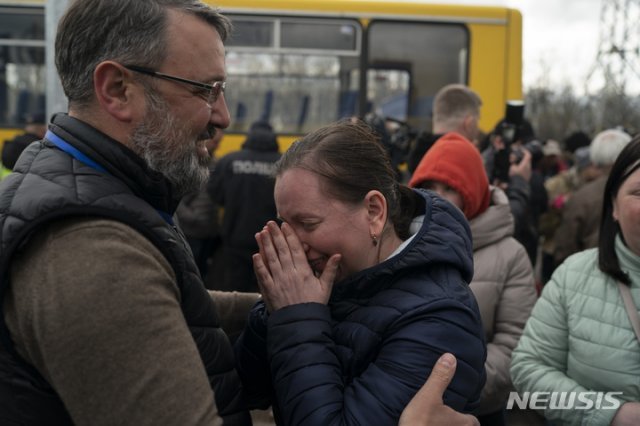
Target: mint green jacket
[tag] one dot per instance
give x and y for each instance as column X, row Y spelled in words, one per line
column 579, row 338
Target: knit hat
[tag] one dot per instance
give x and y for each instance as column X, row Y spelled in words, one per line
column 454, row 161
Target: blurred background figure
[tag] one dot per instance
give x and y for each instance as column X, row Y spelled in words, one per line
column 395, row 136
column 34, row 130
column 456, row 108
column 560, row 186
column 198, row 216
column 552, row 161
column 573, row 142
column 503, row 280
column 559, row 189
column 242, row 183
column 511, row 161
column 581, row 214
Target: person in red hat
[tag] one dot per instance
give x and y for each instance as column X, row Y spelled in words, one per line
column 503, row 281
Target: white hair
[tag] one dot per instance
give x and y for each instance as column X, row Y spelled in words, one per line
column 606, row 146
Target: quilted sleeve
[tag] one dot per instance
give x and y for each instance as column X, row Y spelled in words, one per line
column 251, row 359
column 514, row 306
column 539, row 362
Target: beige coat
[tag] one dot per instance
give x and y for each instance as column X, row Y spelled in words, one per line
column 503, row 284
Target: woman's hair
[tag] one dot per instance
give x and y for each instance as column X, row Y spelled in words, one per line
column 132, row 32
column 351, row 162
column 627, row 162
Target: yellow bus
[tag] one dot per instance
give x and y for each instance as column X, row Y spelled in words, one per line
column 303, row 63
column 22, row 63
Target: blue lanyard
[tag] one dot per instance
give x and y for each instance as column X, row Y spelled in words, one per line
column 75, row 153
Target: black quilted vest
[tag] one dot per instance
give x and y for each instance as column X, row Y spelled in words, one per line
column 96, row 176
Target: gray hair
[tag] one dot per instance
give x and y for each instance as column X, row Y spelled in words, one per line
column 606, row 147
column 126, row 31
column 452, row 104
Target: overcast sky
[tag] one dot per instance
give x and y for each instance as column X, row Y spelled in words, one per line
column 561, row 36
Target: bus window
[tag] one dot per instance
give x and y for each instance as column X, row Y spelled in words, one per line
column 314, row 35
column 251, row 33
column 298, row 73
column 387, row 91
column 305, row 63
column 22, row 72
column 426, row 55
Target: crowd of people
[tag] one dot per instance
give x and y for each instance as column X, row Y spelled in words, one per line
column 145, row 280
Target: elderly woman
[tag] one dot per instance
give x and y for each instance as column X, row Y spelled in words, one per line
column 357, row 351
column 579, row 344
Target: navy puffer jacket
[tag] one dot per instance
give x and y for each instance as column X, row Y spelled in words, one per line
column 362, row 358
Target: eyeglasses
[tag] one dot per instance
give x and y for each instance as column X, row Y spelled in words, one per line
column 209, row 92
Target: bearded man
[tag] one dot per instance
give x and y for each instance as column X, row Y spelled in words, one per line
column 105, row 319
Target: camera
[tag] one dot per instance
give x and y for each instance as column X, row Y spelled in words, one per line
column 395, row 136
column 535, row 149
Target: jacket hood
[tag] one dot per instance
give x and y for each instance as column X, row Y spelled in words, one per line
column 495, row 223
column 454, row 161
column 444, row 239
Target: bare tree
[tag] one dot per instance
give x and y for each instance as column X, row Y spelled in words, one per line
column 557, row 113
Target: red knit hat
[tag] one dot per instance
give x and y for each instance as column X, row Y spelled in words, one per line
column 454, row 161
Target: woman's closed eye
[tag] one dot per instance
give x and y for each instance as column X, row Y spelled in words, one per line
column 309, row 226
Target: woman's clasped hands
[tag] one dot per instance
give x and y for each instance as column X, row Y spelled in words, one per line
column 283, row 271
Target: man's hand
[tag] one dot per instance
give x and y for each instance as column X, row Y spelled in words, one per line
column 427, row 408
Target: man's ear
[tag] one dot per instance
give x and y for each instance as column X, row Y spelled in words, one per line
column 376, row 206
column 468, row 124
column 116, row 92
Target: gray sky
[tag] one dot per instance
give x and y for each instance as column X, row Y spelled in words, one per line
column 560, row 39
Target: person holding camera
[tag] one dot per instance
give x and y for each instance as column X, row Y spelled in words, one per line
column 510, row 163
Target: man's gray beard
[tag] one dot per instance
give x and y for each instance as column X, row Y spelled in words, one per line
column 166, row 146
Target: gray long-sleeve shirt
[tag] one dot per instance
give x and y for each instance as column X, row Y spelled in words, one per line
column 95, row 307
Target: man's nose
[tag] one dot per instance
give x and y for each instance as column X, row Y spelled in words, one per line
column 220, row 116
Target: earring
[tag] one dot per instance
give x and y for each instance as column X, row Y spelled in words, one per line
column 374, row 239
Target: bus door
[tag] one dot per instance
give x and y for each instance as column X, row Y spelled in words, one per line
column 408, row 62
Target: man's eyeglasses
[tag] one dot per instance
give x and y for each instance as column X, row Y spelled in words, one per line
column 209, row 92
